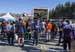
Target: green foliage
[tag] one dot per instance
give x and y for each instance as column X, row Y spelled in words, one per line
column 67, row 10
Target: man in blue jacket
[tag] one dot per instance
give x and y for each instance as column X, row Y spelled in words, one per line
column 36, row 27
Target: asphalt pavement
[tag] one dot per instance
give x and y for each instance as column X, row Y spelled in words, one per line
column 28, row 46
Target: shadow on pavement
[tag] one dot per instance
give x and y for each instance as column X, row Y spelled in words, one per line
column 61, row 50
column 31, row 42
column 51, row 44
column 56, row 48
column 28, row 43
column 3, row 44
column 30, row 49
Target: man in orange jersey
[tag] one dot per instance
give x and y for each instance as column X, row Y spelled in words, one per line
column 48, row 30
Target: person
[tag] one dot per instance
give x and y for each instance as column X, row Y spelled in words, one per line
column 67, row 29
column 29, row 28
column 42, row 25
column 3, row 29
column 60, row 34
column 73, row 25
column 54, row 30
column 36, row 27
column 20, row 31
column 10, row 33
column 48, row 31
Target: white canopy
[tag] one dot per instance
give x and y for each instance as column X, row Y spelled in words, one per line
column 8, row 17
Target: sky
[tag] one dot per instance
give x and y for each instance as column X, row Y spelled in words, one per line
column 26, row 6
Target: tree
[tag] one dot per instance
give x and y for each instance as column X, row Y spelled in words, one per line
column 52, row 14
column 67, row 10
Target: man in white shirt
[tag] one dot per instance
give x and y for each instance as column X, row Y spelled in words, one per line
column 10, row 33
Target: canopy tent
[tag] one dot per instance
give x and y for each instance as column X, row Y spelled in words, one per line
column 2, row 19
column 28, row 16
column 9, row 17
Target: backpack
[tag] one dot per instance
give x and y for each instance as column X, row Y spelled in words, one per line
column 22, row 30
column 12, row 29
column 21, row 27
column 67, row 33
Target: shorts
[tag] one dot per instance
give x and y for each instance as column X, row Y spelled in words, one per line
column 20, row 34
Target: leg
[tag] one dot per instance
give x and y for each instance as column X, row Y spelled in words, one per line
column 44, row 32
column 60, row 36
column 3, row 35
column 19, row 40
column 65, row 45
column 33, row 41
column 8, row 38
column 37, row 35
column 69, row 44
column 29, row 36
column 12, row 39
column 22, row 41
column 50, row 35
column 37, row 40
column 54, row 34
column 46, row 36
column 34, row 38
column 41, row 33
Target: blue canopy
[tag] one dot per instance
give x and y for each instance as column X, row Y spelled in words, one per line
column 2, row 19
